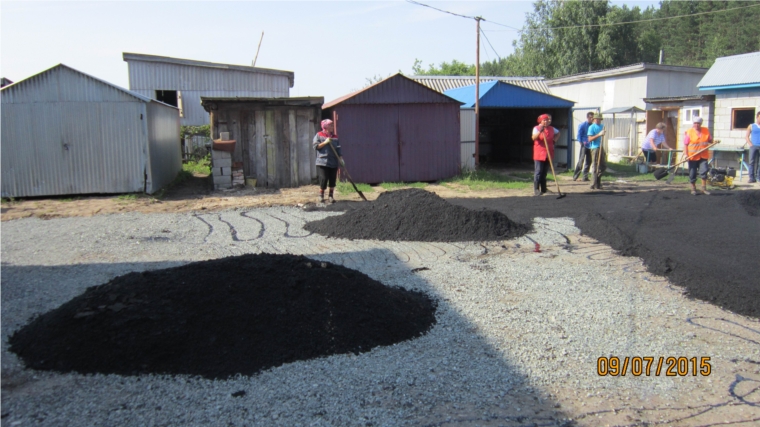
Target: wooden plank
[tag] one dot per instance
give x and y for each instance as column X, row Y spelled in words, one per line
column 313, row 125
column 235, row 133
column 261, row 149
column 249, row 143
column 293, row 148
column 283, row 148
column 303, row 141
column 270, row 137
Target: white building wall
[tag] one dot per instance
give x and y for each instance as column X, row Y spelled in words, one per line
column 724, row 103
column 669, row 83
column 610, row 92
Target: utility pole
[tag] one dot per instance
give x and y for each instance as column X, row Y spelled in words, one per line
column 477, row 94
column 257, row 50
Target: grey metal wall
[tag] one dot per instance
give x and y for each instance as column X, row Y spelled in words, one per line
column 467, row 120
column 193, row 82
column 66, row 133
column 164, row 148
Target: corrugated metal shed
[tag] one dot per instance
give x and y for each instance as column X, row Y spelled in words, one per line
column 733, row 71
column 497, row 94
column 398, row 130
column 151, row 73
column 66, row 132
column 444, row 83
column 397, row 89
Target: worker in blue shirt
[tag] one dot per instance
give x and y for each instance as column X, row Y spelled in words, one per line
column 595, row 137
column 584, row 160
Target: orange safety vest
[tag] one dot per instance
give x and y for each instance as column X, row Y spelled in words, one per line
column 698, row 141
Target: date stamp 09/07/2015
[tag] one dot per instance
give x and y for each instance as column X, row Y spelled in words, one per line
column 657, row 366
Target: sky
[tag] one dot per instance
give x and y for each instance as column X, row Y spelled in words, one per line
column 333, row 47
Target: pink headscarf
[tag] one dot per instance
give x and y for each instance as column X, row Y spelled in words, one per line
column 543, row 117
column 326, row 122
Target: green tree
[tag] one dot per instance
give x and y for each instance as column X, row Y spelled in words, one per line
column 562, row 37
column 455, row 68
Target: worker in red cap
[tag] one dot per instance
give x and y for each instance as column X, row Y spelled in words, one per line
column 327, row 161
column 544, row 136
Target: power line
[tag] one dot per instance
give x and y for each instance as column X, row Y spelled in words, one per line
column 440, row 10
column 489, row 43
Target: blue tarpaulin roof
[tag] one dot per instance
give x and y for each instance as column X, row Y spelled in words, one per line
column 497, row 94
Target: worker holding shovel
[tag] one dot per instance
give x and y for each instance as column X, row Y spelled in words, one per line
column 696, row 140
column 595, row 137
column 328, row 159
column 544, row 136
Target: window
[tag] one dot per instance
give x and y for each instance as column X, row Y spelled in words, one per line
column 742, row 117
column 689, row 114
column 171, row 97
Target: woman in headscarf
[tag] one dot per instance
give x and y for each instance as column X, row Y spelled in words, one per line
column 544, row 132
column 327, row 162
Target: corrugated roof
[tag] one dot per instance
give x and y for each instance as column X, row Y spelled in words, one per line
column 396, row 89
column 193, row 63
column 206, row 101
column 620, row 110
column 21, row 83
column 618, row 71
column 444, row 83
column 680, row 98
column 732, row 71
column 498, row 94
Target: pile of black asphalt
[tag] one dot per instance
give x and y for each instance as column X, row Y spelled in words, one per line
column 220, row 318
column 416, row 215
column 709, row 245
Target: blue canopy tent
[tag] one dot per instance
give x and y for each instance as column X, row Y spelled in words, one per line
column 507, row 116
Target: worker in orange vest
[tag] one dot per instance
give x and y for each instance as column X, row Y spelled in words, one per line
column 697, row 138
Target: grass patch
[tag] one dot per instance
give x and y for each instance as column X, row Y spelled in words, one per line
column 397, row 185
column 126, row 197
column 202, row 166
column 347, row 188
column 487, row 180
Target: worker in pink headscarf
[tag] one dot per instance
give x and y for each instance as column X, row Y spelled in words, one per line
column 327, row 162
column 543, row 135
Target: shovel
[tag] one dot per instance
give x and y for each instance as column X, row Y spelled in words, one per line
column 551, row 164
column 661, row 173
column 673, row 175
column 346, row 171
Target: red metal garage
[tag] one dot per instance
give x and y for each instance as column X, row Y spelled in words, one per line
column 397, row 130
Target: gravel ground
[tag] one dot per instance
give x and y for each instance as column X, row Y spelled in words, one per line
column 516, row 342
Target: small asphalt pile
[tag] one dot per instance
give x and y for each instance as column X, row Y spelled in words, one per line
column 419, row 216
column 220, row 318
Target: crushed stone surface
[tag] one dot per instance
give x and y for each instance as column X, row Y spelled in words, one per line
column 520, row 326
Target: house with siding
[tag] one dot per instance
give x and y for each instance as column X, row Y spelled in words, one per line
column 626, row 88
column 735, row 80
column 182, row 82
column 66, row 132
